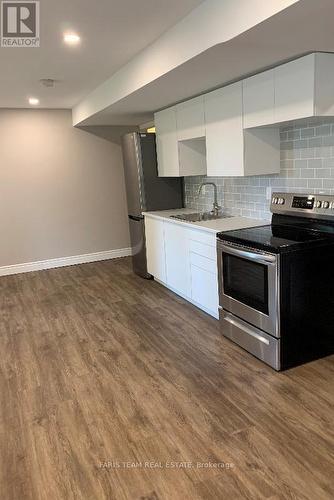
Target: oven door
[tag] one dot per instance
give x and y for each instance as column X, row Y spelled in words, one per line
column 249, row 285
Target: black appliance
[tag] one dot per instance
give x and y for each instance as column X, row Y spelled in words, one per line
column 276, row 282
column 145, row 191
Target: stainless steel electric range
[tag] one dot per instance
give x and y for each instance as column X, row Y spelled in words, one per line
column 276, row 282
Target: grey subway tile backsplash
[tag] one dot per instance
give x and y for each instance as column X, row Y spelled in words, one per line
column 323, row 130
column 307, row 165
column 294, row 134
column 307, row 132
column 328, row 140
column 314, row 142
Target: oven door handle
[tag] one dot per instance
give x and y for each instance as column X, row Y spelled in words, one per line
column 256, row 257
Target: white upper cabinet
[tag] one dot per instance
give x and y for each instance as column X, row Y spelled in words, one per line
column 167, row 144
column 303, row 88
column 190, row 119
column 234, row 131
column 294, row 89
column 231, row 150
column 259, row 99
column 300, row 89
column 224, row 131
column 180, row 133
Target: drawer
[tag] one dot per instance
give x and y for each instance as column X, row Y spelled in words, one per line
column 203, row 263
column 203, row 237
column 251, row 339
column 207, row 251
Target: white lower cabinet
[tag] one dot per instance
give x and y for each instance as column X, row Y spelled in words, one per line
column 177, row 260
column 204, row 289
column 155, row 248
column 203, row 271
column 185, row 260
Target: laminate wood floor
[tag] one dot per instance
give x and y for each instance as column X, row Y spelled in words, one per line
column 109, row 384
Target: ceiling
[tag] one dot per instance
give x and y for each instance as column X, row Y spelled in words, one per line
column 112, row 32
column 116, row 35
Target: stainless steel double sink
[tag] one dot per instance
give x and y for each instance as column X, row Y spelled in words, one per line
column 199, row 217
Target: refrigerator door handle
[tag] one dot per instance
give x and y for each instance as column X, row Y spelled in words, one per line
column 136, row 218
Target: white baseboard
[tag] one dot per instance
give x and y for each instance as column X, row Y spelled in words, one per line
column 64, row 261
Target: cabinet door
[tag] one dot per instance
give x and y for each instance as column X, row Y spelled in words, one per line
column 155, row 248
column 177, row 258
column 294, row 89
column 259, row 99
column 190, row 119
column 204, row 289
column 324, row 84
column 167, row 145
column 224, row 131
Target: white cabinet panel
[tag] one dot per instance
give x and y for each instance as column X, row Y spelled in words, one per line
column 190, row 119
column 203, row 271
column 224, row 131
column 167, row 145
column 177, row 257
column 294, row 89
column 155, row 248
column 324, row 84
column 204, row 289
column 259, row 99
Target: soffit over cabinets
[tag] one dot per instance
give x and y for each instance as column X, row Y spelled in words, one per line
column 295, row 30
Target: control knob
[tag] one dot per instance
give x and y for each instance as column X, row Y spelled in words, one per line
column 319, row 204
column 325, row 204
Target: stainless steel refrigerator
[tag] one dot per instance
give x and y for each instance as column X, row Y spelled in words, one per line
column 145, row 191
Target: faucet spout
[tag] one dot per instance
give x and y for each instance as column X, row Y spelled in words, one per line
column 216, row 208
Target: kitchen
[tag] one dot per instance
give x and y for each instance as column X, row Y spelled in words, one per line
column 167, row 264
column 241, row 134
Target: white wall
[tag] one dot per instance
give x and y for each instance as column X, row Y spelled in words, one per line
column 62, row 189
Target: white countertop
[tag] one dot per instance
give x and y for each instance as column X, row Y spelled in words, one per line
column 213, row 226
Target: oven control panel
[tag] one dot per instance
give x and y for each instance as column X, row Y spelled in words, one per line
column 307, row 205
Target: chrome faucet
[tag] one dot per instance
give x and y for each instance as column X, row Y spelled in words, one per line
column 216, row 208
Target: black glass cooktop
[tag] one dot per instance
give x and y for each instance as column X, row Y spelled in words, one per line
column 273, row 238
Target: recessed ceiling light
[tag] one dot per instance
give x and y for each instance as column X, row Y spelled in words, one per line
column 33, row 101
column 71, row 38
